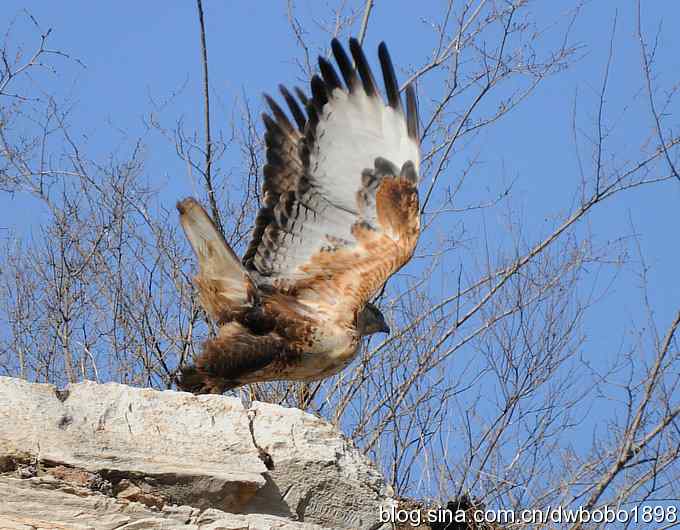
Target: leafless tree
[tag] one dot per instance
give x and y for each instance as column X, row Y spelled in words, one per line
column 482, row 387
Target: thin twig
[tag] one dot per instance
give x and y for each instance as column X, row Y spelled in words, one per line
column 646, row 68
column 364, row 21
column 207, row 174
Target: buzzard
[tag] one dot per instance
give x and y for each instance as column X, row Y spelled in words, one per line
column 339, row 216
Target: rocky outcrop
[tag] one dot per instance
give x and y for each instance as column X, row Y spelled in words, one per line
column 112, row 456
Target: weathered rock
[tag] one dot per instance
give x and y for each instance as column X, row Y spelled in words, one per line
column 113, row 456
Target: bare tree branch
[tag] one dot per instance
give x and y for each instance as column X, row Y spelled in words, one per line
column 364, row 21
column 646, row 70
column 207, row 172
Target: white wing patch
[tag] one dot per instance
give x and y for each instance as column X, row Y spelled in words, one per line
column 353, row 131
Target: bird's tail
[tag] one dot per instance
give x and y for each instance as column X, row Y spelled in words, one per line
column 191, row 379
column 231, row 360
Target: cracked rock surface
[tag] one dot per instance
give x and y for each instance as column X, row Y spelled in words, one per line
column 112, row 456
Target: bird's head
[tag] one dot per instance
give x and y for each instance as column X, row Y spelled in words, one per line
column 370, row 320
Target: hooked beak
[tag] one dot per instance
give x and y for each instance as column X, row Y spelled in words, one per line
column 386, row 329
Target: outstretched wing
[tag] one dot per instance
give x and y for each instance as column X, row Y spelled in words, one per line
column 340, row 209
column 224, row 286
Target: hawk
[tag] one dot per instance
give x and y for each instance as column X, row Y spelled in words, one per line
column 339, row 216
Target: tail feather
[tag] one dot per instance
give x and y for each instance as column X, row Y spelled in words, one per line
column 232, row 359
column 195, row 381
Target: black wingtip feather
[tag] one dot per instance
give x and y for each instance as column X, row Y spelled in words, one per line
column 412, row 121
column 295, row 109
column 269, row 122
column 363, row 67
column 301, row 96
column 391, row 85
column 345, row 65
column 279, row 115
column 319, row 92
column 329, row 75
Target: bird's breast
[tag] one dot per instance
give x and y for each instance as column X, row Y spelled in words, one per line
column 331, row 350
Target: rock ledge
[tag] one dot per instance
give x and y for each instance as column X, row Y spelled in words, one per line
column 112, row 456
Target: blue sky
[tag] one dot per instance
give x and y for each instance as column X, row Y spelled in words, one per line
column 135, row 52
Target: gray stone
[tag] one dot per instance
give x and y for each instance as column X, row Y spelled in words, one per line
column 113, row 456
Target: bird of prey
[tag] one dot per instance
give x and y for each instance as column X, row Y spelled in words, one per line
column 339, row 216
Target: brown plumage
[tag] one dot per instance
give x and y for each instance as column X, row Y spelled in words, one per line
column 339, row 216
